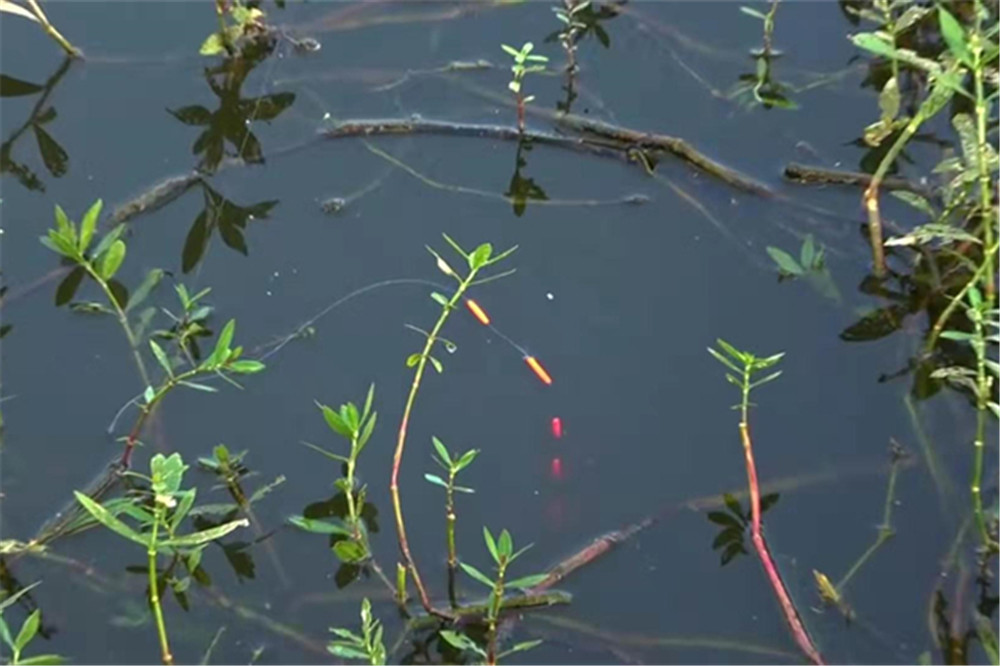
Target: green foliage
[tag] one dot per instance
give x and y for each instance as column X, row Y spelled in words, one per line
column 357, row 427
column 744, row 366
column 367, row 647
column 27, row 632
column 522, row 67
column 810, row 265
column 238, row 20
column 155, row 525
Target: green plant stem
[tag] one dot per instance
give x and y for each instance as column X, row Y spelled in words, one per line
column 50, row 29
column 397, row 458
column 942, row 319
column 352, row 509
column 133, row 343
column 450, row 518
column 496, row 599
column 885, row 530
column 154, row 592
column 985, row 199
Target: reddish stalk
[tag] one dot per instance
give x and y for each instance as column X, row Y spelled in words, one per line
column 788, row 609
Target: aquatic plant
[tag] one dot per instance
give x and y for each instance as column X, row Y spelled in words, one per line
column 745, row 367
column 480, row 258
column 32, row 11
column 765, row 88
column 810, row 265
column 158, row 520
column 27, row 632
column 366, row 647
column 521, row 68
column 452, row 465
column 238, row 20
column 502, row 551
column 357, row 427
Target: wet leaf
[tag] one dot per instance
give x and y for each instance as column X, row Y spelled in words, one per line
column 54, row 156
column 350, row 551
column 192, row 115
column 11, row 87
column 119, row 293
column 785, row 262
column 17, row 10
column 475, row 573
column 270, row 107
column 69, row 285
column 205, row 536
column 888, row 100
column 111, row 261
column 916, row 201
column 195, row 243
column 318, row 526
column 927, row 233
column 730, row 552
column 727, row 536
column 28, row 630
column 148, row 284
column 876, row 324
column 723, row 518
column 106, row 518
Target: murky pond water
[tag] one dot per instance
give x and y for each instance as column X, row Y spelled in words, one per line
column 624, row 277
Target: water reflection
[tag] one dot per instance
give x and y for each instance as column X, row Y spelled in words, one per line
column 54, row 156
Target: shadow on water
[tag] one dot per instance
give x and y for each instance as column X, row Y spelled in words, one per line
column 328, row 145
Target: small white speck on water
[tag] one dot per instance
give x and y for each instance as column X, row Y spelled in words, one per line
column 550, row 296
column 268, row 293
column 275, row 273
column 326, row 116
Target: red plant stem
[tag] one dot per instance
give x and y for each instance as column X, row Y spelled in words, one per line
column 798, row 630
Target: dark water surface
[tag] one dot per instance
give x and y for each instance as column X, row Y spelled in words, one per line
column 618, row 300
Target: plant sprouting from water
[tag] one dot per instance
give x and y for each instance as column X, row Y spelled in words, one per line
column 32, row 11
column 480, row 258
column 502, row 551
column 157, row 523
column 810, row 265
column 452, row 465
column 366, row 647
column 238, row 20
column 356, row 426
column 523, row 66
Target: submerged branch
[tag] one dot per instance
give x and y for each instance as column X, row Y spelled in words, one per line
column 811, row 175
column 594, row 137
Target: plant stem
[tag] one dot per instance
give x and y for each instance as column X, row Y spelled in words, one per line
column 123, row 321
column 985, row 199
column 70, row 50
column 942, row 319
column 397, row 458
column 496, row 599
column 450, row 520
column 791, row 614
column 154, row 592
column 885, row 530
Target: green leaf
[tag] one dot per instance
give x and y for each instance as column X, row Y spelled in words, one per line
column 108, row 240
column 350, row 416
column 198, row 387
column 460, row 641
column 526, row 582
column 915, row 200
column 475, row 573
column 212, row 46
column 59, row 244
column 440, row 298
column 64, row 226
column 318, row 526
column 350, row 551
column 369, row 399
column 749, row 11
column 520, row 647
column 954, row 36
column 966, row 130
column 412, row 360
column 43, row 660
column 336, row 422
column 927, row 233
column 888, row 100
column 346, row 652
column 222, row 345
column 770, row 377
column 505, row 544
column 436, row 480
column 367, row 431
column 466, row 459
column 104, row 517
column 149, row 395
column 436, row 363
column 204, row 536
column 28, row 630
column 5, row 633
column 112, row 260
column 183, row 507
column 245, row 366
column 148, row 284
column 161, row 357
column 725, row 361
column 89, row 224
column 807, row 254
column 12, row 599
column 511, row 51
column 167, row 472
column 480, row 256
column 785, row 261
column 724, row 519
column 959, row 336
column 491, row 544
column 442, row 450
